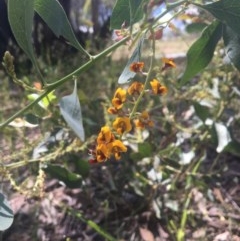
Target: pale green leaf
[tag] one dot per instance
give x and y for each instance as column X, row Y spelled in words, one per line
column 6, row 213
column 127, row 74
column 71, row 111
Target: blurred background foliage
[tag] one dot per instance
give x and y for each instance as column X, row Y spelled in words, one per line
column 172, row 183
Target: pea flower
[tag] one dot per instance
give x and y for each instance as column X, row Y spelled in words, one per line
column 136, row 67
column 105, row 136
column 122, row 124
column 157, row 87
column 119, row 98
column 102, row 153
column 135, row 88
column 143, row 121
column 168, row 63
column 112, row 110
column 116, row 148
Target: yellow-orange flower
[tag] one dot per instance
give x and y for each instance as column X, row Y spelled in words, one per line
column 136, row 67
column 135, row 88
column 116, row 148
column 143, row 121
column 105, row 136
column 119, row 98
column 168, row 63
column 102, row 153
column 157, row 87
column 112, row 110
column 122, row 124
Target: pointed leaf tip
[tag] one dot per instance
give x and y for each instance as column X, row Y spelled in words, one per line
column 127, row 74
column 71, row 111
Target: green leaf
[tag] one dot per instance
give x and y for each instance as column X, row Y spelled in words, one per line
column 6, row 213
column 144, row 150
column 32, row 119
column 227, row 11
column 233, row 147
column 55, row 17
column 49, row 99
column 201, row 52
column 127, row 74
column 128, row 12
column 20, row 15
column 72, row 180
column 232, row 45
column 44, row 103
column 201, row 111
column 71, row 111
column 82, row 167
column 195, row 27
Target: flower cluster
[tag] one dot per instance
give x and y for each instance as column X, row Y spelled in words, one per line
column 109, row 140
column 107, row 146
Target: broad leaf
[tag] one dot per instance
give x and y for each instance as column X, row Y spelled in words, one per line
column 55, row 17
column 82, row 167
column 127, row 74
column 201, row 111
column 20, row 15
column 195, row 27
column 227, row 11
column 70, row 179
column 6, row 213
column 233, row 147
column 32, row 119
column 126, row 11
column 144, row 150
column 232, row 45
column 71, row 111
column 201, row 52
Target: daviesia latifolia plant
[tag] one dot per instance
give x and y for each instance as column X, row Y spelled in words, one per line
column 124, row 105
column 139, row 24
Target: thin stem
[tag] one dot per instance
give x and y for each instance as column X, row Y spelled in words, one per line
column 56, row 84
column 147, row 78
column 91, row 224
